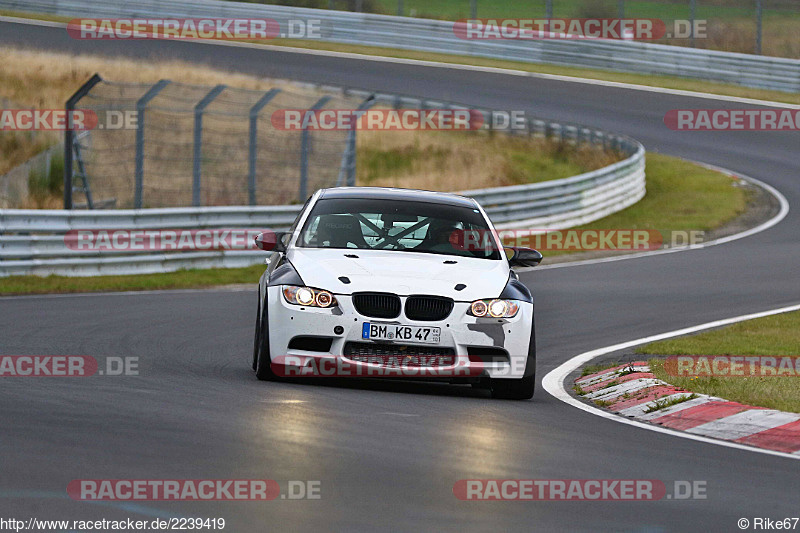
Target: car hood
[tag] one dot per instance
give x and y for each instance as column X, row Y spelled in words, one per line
column 400, row 273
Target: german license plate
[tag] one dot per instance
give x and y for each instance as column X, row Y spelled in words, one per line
column 393, row 332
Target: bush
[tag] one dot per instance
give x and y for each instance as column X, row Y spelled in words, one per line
column 44, row 183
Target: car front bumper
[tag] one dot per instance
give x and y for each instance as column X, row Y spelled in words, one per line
column 480, row 347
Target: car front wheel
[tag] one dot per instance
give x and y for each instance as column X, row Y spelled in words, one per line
column 261, row 357
column 514, row 389
column 522, row 388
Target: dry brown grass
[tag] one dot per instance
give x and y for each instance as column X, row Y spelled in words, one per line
column 461, row 161
column 17, row 147
column 42, row 202
column 46, row 79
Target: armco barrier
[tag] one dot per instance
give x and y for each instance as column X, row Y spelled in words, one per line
column 32, row 241
column 438, row 36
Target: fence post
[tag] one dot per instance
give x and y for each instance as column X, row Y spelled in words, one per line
column 254, row 111
column 759, row 22
column 198, row 140
column 549, row 11
column 347, row 170
column 692, row 15
column 473, row 9
column 400, row 8
column 620, row 9
column 304, row 139
column 141, row 105
column 69, row 136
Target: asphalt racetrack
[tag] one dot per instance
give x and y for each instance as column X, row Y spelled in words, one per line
column 387, row 454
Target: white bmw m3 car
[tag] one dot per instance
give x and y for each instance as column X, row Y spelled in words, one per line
column 376, row 282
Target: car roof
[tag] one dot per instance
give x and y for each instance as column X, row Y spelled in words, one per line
column 385, row 193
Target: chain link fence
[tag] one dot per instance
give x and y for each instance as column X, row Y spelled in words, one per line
column 176, row 145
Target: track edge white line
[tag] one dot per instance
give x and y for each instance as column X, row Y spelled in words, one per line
column 553, row 382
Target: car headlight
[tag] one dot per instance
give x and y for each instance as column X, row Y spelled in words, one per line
column 494, row 308
column 308, row 297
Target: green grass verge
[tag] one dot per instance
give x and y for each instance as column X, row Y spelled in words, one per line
column 663, row 403
column 594, row 369
column 47, row 183
column 774, row 335
column 182, row 279
column 680, row 196
column 600, row 367
column 668, row 82
column 670, row 181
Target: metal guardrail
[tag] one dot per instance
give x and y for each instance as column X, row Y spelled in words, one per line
column 438, row 36
column 33, row 241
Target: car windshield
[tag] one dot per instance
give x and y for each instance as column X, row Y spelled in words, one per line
column 403, row 225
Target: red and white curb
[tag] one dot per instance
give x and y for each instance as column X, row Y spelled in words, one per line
column 632, row 391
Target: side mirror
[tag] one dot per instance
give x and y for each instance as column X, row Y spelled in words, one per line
column 273, row 241
column 523, row 257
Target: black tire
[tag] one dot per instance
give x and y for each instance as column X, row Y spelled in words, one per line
column 514, row 389
column 482, row 383
column 522, row 388
column 261, row 349
column 257, row 339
